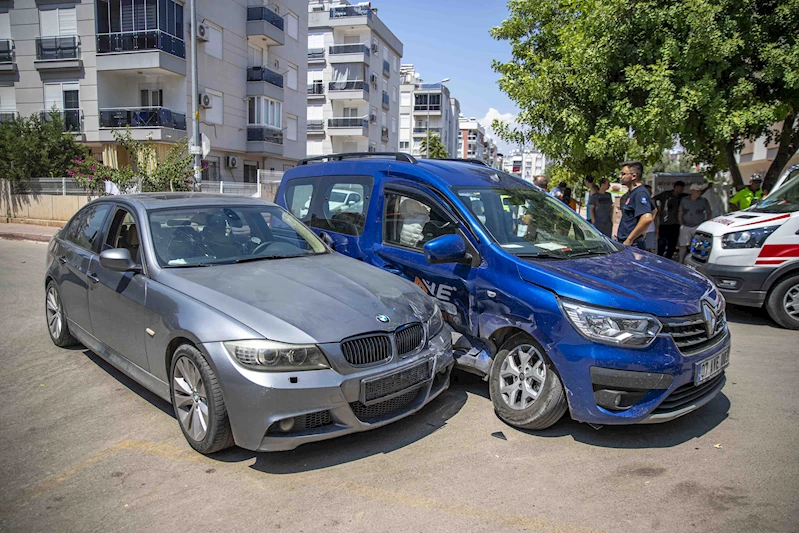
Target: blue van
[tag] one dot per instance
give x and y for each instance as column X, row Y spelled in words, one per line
column 553, row 314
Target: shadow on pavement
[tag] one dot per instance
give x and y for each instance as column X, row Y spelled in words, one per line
column 756, row 316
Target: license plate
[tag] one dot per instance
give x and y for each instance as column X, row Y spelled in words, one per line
column 377, row 389
column 710, row 368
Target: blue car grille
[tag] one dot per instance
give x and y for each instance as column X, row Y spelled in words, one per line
column 367, row 350
column 689, row 332
column 687, row 395
column 700, row 246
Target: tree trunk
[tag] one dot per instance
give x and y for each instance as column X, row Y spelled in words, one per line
column 789, row 143
column 735, row 172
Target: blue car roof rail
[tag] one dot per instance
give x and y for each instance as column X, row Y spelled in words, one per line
column 462, row 160
column 399, row 156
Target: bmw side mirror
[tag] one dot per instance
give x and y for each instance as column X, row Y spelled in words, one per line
column 446, row 249
column 118, row 260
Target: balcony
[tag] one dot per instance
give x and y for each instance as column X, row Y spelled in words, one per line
column 384, row 134
column 348, row 90
column 6, row 55
column 264, row 22
column 263, row 81
column 157, row 123
column 316, row 55
column 386, row 104
column 433, row 109
column 316, row 127
column 58, row 53
column 421, row 132
column 72, row 118
column 348, row 53
column 386, row 69
column 264, row 139
column 316, row 90
column 348, row 127
column 350, row 11
column 141, row 50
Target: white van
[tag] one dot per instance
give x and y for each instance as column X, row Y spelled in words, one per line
column 753, row 255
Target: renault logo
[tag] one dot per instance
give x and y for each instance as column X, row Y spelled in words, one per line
column 711, row 319
column 383, row 318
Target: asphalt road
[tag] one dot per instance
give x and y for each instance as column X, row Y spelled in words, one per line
column 83, row 448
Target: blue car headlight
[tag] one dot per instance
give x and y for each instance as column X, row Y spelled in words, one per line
column 751, row 238
column 612, row 327
column 271, row 356
column 435, row 323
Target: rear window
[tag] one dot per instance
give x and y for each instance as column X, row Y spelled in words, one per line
column 336, row 203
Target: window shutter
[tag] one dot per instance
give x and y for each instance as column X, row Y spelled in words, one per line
column 53, row 97
column 48, row 19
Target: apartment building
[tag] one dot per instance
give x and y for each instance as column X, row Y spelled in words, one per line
column 471, row 144
column 426, row 107
column 756, row 157
column 108, row 65
column 526, row 164
column 353, row 79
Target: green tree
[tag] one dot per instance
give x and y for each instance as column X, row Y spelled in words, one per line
column 437, row 148
column 600, row 80
column 36, row 147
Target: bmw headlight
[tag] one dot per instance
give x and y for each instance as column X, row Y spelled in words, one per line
column 612, row 327
column 271, row 356
column 751, row 238
column 435, row 323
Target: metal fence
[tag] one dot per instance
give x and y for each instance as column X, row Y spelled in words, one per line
column 50, row 186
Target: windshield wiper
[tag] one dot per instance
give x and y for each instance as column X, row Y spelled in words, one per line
column 189, row 265
column 265, row 257
column 542, row 255
column 587, row 253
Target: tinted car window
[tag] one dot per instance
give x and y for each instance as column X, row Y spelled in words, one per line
column 87, row 226
column 123, row 233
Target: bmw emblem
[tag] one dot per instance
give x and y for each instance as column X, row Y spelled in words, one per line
column 383, row 318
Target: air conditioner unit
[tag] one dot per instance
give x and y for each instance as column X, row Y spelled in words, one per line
column 203, row 31
column 373, row 119
column 232, row 161
column 373, row 79
column 375, row 47
column 206, row 101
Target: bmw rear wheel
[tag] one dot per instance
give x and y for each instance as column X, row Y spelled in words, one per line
column 198, row 403
column 525, row 389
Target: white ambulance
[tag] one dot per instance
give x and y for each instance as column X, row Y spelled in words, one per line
column 753, row 255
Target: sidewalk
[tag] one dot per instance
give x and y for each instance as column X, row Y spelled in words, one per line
column 27, row 232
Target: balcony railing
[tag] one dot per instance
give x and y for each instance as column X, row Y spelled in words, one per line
column 264, row 13
column 316, row 88
column 8, row 116
column 424, row 107
column 72, row 118
column 349, row 49
column 386, row 103
column 348, row 122
column 316, row 125
column 6, row 51
column 316, row 53
column 142, row 117
column 350, row 11
column 424, row 131
column 386, row 68
column 61, row 47
column 355, row 85
column 264, row 134
column 384, row 134
column 265, row 74
column 140, row 41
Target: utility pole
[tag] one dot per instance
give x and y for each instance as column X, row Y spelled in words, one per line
column 196, row 140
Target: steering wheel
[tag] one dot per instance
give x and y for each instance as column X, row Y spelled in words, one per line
column 280, row 248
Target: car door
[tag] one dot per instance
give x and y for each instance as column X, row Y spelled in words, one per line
column 117, row 299
column 411, row 218
column 74, row 253
column 335, row 207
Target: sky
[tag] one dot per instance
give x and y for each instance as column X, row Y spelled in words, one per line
column 450, row 39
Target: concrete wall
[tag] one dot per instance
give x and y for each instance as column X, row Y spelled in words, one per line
column 39, row 209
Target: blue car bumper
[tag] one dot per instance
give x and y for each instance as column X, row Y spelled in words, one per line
column 608, row 385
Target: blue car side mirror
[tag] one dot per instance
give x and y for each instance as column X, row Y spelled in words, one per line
column 446, row 249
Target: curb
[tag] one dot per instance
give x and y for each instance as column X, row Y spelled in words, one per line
column 25, row 237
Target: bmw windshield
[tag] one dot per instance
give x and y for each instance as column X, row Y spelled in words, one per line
column 527, row 222
column 213, row 235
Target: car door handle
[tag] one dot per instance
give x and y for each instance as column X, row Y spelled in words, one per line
column 62, row 259
column 93, row 277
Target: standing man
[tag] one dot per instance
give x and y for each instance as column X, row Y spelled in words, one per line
column 746, row 196
column 541, row 181
column 636, row 209
column 591, row 192
column 650, row 237
column 668, row 222
column 694, row 210
column 601, row 208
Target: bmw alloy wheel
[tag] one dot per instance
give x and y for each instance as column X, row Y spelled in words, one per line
column 191, row 400
column 55, row 318
column 522, row 376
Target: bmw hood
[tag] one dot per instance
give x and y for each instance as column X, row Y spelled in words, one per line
column 317, row 299
column 629, row 280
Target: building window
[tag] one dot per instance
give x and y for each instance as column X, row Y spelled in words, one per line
column 405, row 121
column 291, row 77
column 211, row 172
column 395, row 60
column 216, row 113
column 291, row 127
column 116, row 16
column 251, row 172
column 263, row 111
column 58, row 21
column 393, row 125
column 405, row 99
column 404, row 145
column 293, row 26
column 394, row 94
column 214, row 47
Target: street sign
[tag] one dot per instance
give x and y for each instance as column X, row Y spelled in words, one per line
column 195, row 150
column 206, row 145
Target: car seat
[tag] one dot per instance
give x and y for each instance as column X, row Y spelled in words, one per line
column 414, row 217
column 216, row 238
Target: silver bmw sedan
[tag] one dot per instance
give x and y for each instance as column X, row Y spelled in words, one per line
column 236, row 313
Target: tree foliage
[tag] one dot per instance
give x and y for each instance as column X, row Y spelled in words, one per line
column 600, row 80
column 36, row 148
column 172, row 173
column 437, row 148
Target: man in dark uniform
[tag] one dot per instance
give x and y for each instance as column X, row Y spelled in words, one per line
column 636, row 206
